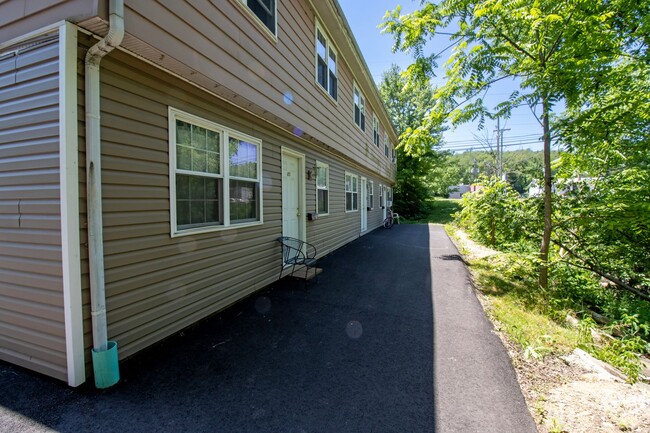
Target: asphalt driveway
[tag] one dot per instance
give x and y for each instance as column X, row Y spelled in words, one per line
column 391, row 339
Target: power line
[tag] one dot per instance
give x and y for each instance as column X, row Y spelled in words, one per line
column 481, row 144
column 512, row 137
column 480, row 147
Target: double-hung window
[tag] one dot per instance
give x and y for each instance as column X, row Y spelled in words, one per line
column 359, row 109
column 322, row 188
column 244, row 179
column 215, row 175
column 375, row 130
column 351, row 193
column 371, row 194
column 381, row 196
column 394, row 158
column 265, row 10
column 326, row 60
column 386, row 144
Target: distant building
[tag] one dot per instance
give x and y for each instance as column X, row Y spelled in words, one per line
column 565, row 185
column 457, row 191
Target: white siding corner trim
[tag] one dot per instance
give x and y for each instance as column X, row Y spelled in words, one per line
column 69, row 197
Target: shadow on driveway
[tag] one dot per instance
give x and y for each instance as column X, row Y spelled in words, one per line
column 352, row 353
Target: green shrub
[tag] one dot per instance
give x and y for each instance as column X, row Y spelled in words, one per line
column 494, row 214
column 624, row 352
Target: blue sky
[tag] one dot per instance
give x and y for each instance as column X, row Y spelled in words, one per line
column 364, row 16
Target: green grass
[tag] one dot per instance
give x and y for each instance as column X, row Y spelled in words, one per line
column 520, row 312
column 440, row 211
column 535, row 332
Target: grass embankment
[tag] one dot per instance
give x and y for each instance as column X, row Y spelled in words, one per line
column 557, row 321
column 521, row 313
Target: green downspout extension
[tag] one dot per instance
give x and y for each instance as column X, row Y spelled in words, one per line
column 104, row 353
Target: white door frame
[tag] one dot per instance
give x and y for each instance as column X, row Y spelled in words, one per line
column 363, row 205
column 302, row 201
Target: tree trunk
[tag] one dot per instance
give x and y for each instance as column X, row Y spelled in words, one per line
column 546, row 237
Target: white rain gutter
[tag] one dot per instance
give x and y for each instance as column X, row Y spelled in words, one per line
column 94, row 194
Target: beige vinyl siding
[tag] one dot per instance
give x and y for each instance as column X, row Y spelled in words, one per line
column 32, row 327
column 220, row 42
column 332, row 231
column 19, row 17
column 375, row 216
column 157, row 285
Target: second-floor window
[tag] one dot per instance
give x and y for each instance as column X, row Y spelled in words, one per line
column 264, row 10
column 326, row 64
column 359, row 109
column 375, row 130
column 386, row 145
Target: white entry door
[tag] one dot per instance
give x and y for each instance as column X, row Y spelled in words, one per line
column 291, row 199
column 363, row 205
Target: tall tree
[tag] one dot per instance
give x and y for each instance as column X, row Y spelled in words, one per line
column 415, row 159
column 548, row 45
column 605, row 220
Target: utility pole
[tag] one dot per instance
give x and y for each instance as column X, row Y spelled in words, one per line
column 499, row 161
column 474, row 171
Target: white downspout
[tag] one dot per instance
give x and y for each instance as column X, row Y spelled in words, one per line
column 94, row 173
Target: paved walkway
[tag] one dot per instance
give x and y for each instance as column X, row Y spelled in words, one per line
column 391, row 339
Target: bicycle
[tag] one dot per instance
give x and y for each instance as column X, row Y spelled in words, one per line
column 389, row 220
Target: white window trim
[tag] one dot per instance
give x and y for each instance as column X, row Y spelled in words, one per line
column 258, row 21
column 226, row 134
column 362, row 104
column 371, row 185
column 347, row 173
column 381, row 196
column 327, row 182
column 328, row 46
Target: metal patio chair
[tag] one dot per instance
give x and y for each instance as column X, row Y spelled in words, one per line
column 297, row 253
